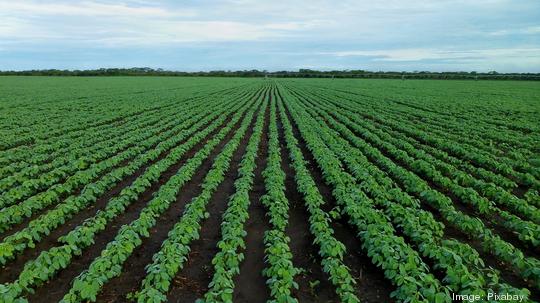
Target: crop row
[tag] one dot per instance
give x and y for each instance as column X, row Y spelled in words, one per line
column 48, row 263
column 427, row 166
column 109, row 264
column 492, row 243
column 465, row 271
column 43, row 225
column 401, row 264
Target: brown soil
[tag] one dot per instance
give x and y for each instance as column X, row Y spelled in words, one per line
column 117, row 289
column 13, row 268
column 520, row 191
column 305, row 254
column 64, row 278
column 371, row 285
column 492, row 222
column 507, row 273
column 24, row 223
column 191, row 282
column 250, row 284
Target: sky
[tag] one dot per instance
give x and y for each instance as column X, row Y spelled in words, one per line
column 193, row 35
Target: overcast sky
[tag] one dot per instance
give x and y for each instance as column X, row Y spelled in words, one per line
column 444, row 35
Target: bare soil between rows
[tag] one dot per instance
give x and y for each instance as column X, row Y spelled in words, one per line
column 63, row 280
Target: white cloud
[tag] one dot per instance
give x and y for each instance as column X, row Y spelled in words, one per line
column 122, row 25
column 151, row 32
column 356, row 31
column 131, row 22
column 87, row 8
column 531, row 30
column 169, row 32
column 419, row 54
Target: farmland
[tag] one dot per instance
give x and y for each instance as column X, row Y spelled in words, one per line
column 155, row 189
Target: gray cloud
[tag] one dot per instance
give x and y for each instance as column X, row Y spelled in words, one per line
column 389, row 34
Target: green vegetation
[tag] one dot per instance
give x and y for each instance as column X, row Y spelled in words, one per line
column 437, row 181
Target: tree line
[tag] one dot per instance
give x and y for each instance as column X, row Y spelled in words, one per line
column 301, row 73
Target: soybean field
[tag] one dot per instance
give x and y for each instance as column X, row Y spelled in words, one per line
column 200, row 189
